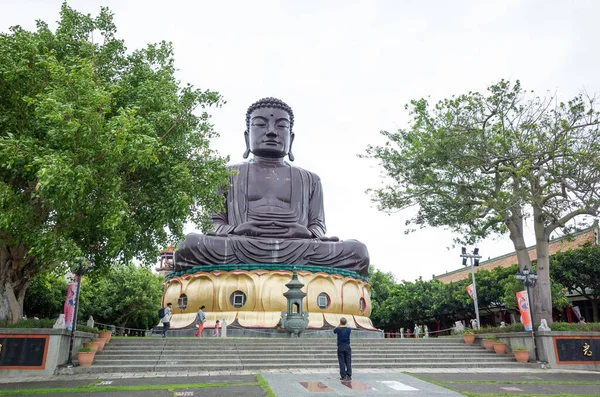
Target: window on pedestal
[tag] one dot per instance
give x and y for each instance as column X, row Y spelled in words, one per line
column 182, row 301
column 238, row 299
column 362, row 305
column 323, row 300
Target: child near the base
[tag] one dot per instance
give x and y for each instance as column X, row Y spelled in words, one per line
column 216, row 328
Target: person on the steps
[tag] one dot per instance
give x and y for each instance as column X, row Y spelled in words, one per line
column 166, row 320
column 200, row 320
column 217, row 325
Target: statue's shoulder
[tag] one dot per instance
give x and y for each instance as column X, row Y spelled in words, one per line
column 309, row 174
column 237, row 167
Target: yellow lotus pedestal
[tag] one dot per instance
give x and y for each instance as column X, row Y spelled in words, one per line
column 251, row 296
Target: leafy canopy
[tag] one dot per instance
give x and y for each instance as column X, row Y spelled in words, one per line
column 478, row 162
column 103, row 153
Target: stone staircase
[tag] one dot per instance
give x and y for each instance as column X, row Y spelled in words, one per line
column 156, row 354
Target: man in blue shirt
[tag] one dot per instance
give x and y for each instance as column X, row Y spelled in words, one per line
column 344, row 351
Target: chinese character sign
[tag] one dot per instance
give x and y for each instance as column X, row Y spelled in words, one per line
column 470, row 291
column 523, row 302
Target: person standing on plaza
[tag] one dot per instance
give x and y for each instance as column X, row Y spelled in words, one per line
column 166, row 319
column 344, row 352
column 216, row 328
column 200, row 320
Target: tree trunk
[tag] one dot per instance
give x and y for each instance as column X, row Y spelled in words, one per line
column 515, row 227
column 595, row 310
column 15, row 278
column 541, row 294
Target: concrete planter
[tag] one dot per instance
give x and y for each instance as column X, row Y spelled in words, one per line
column 500, row 348
column 488, row 344
column 101, row 342
column 91, row 344
column 85, row 359
column 106, row 335
column 522, row 356
column 469, row 338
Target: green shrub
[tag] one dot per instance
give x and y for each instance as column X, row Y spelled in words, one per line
column 85, row 349
column 43, row 323
column 85, row 328
column 29, row 323
column 577, row 327
column 516, row 327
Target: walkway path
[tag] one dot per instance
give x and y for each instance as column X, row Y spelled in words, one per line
column 308, row 382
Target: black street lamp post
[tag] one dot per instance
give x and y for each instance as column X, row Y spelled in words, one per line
column 84, row 267
column 474, row 259
column 529, row 278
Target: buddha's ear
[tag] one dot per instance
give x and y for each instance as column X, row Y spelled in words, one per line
column 290, row 154
column 247, row 139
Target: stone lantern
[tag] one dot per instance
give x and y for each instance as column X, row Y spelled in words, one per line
column 295, row 320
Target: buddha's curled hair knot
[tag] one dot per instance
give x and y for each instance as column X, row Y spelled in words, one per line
column 269, row 102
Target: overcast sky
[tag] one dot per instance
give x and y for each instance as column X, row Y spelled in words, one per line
column 347, row 68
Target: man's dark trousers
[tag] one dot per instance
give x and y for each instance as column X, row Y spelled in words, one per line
column 345, row 359
column 166, row 327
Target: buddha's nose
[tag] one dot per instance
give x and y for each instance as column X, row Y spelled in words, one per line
column 271, row 133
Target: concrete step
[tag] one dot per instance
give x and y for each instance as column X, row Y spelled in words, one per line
column 231, row 354
column 293, row 362
column 202, row 356
column 95, row 368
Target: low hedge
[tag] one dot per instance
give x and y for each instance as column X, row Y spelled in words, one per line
column 518, row 327
column 43, row 323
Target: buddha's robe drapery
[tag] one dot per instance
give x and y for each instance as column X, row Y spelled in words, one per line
column 306, row 209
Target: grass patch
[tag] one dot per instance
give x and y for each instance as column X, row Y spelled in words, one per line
column 265, row 385
column 94, row 388
column 528, row 395
column 446, row 385
column 518, row 382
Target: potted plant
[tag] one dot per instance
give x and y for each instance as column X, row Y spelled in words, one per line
column 469, row 336
column 106, row 334
column 101, row 342
column 85, row 356
column 92, row 345
column 499, row 346
column 521, row 353
column 488, row 342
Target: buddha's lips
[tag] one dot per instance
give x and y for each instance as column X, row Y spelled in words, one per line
column 272, row 142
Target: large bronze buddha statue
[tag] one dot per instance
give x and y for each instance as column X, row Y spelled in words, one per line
column 273, row 210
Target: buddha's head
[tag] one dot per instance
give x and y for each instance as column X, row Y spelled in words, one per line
column 269, row 124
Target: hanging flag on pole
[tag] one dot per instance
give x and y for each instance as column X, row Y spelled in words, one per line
column 470, row 291
column 577, row 312
column 69, row 306
column 523, row 303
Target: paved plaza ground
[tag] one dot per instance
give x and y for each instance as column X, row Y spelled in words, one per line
column 309, row 382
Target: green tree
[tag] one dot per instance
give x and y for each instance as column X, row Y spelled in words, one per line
column 126, row 296
column 45, row 296
column 578, row 270
column 103, row 153
column 482, row 163
column 381, row 288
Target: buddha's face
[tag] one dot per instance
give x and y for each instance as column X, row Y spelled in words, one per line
column 269, row 134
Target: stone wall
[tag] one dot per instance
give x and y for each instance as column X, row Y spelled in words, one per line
column 57, row 349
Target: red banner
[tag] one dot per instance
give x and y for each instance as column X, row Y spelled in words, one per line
column 69, row 307
column 470, row 291
column 523, row 303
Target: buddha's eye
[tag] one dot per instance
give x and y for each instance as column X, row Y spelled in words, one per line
column 259, row 124
column 282, row 125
